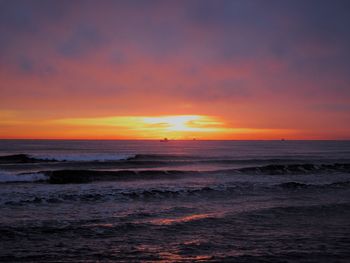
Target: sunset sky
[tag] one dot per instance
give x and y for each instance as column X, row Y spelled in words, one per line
column 236, row 69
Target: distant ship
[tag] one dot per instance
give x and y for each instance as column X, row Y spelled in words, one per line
column 164, row 140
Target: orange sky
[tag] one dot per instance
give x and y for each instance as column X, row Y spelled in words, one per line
column 176, row 69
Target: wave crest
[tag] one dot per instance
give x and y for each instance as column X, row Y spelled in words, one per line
column 280, row 169
column 6, row 177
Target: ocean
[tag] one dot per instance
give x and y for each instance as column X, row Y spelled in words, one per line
column 175, row 201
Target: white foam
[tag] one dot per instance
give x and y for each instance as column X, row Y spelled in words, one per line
column 85, row 157
column 6, row 177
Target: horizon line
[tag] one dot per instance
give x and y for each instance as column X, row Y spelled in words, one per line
column 95, row 139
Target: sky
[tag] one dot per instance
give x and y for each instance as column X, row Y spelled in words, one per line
column 134, row 69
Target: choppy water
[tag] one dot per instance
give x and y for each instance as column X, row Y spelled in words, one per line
column 180, row 201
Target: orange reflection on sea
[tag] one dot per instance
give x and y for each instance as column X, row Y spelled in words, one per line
column 188, row 218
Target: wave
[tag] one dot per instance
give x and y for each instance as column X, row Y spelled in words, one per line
column 297, row 185
column 214, row 191
column 65, row 176
column 229, row 160
column 41, row 158
column 218, row 191
column 159, row 160
column 88, row 176
column 6, row 177
column 306, row 168
column 83, row 157
column 169, row 157
column 117, row 195
column 325, row 210
column 85, row 176
column 180, row 157
column 22, row 158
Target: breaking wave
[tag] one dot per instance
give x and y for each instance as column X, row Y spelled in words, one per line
column 83, row 157
column 38, row 158
column 6, row 177
column 66, row 176
column 169, row 157
column 155, row 159
column 22, row 158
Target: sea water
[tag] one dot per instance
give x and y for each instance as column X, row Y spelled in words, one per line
column 175, row 201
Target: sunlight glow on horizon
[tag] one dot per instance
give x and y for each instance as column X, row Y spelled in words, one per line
column 174, row 126
column 170, row 126
column 184, row 123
